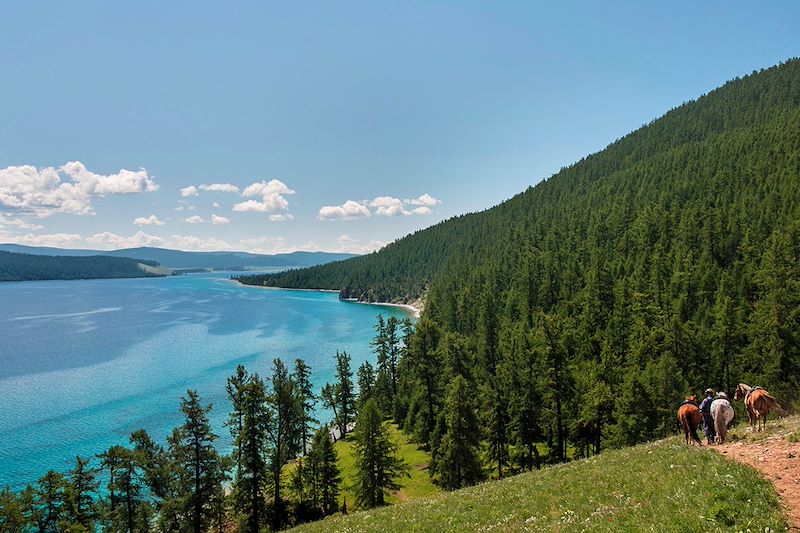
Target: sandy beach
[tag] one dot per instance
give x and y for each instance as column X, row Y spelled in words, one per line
column 413, row 310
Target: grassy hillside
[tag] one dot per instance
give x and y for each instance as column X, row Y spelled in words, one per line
column 24, row 267
column 661, row 486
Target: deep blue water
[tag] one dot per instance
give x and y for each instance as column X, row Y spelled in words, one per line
column 85, row 363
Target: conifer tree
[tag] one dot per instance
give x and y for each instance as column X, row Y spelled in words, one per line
column 251, row 484
column 235, row 389
column 324, row 472
column 344, row 394
column 377, row 466
column 459, row 463
column 201, row 469
column 306, row 402
column 366, row 383
column 285, row 407
column 13, row 510
column 49, row 503
column 81, row 507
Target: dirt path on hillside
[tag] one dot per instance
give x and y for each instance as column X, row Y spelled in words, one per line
column 778, row 460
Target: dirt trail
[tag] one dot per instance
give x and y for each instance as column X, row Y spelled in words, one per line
column 778, row 460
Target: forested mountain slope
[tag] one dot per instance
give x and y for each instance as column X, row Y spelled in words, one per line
column 27, row 267
column 666, row 263
column 183, row 259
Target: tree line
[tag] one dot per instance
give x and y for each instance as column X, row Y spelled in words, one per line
column 26, row 267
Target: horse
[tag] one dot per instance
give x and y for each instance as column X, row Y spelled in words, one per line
column 758, row 403
column 689, row 418
column 722, row 412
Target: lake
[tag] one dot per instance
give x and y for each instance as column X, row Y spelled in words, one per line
column 85, row 363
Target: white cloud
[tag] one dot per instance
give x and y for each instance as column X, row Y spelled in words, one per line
column 107, row 240
column 196, row 219
column 123, row 182
column 183, row 205
column 220, row 187
column 424, row 199
column 281, row 217
column 347, row 211
column 152, row 220
column 216, row 219
column 385, row 206
column 348, row 244
column 191, row 190
column 215, row 205
column 273, row 197
column 43, row 192
column 7, row 220
column 111, row 241
column 58, row 240
column 388, row 206
column 264, row 188
column 189, row 242
column 251, row 205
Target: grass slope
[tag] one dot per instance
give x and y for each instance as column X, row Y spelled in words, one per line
column 418, row 485
column 660, row 486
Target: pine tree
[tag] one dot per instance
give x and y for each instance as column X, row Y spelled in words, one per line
column 202, row 470
column 427, row 366
column 49, row 502
column 377, row 466
column 13, row 509
column 344, row 394
column 81, row 507
column 392, row 343
column 283, row 433
column 235, row 389
column 251, row 483
column 366, row 383
column 306, row 402
column 459, row 463
column 328, row 396
column 323, row 468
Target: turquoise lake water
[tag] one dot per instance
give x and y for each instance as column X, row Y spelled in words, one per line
column 85, row 363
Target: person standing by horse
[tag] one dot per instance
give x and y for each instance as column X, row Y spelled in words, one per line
column 708, row 421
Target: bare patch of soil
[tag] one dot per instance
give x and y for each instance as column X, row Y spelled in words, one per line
column 777, row 459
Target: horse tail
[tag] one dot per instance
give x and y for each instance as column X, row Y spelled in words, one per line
column 774, row 405
column 720, row 426
column 693, row 428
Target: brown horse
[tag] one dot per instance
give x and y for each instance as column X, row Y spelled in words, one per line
column 689, row 417
column 758, row 403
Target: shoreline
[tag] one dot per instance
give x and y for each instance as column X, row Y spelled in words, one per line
column 411, row 309
column 414, row 311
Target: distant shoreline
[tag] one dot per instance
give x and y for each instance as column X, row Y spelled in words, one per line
column 414, row 311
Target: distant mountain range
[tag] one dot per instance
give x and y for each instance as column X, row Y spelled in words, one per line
column 178, row 259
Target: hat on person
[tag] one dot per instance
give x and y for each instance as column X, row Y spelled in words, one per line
column 709, row 392
column 722, row 395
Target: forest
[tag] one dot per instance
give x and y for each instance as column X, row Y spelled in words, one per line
column 664, row 264
column 28, row 267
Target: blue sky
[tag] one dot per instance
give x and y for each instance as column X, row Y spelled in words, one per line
column 332, row 125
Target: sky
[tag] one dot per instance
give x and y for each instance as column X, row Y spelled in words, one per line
column 337, row 126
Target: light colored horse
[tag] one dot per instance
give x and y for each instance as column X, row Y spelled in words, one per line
column 758, row 403
column 722, row 412
column 689, row 417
